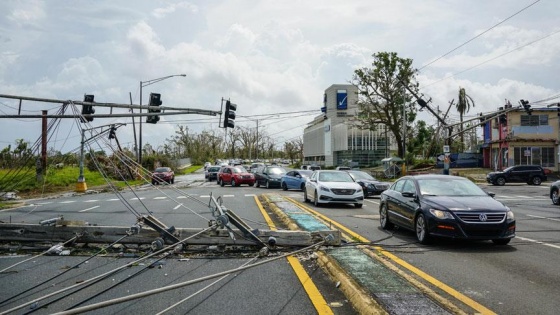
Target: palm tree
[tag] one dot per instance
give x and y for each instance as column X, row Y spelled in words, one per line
column 463, row 106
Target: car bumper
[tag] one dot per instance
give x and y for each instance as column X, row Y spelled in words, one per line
column 332, row 198
column 453, row 229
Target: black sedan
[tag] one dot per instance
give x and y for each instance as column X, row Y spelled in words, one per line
column 370, row 185
column 269, row 176
column 445, row 206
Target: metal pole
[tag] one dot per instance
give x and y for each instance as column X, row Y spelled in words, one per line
column 44, row 143
column 134, row 128
column 81, row 184
column 140, row 130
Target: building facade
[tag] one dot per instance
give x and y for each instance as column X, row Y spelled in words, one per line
column 520, row 138
column 334, row 137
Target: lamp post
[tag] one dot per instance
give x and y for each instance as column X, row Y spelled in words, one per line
column 144, row 84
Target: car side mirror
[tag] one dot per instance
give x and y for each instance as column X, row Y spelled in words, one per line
column 491, row 194
column 298, row 176
column 408, row 194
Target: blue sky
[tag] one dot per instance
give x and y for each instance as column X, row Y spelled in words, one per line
column 266, row 56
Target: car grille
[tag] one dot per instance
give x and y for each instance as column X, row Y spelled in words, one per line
column 470, row 217
column 338, row 191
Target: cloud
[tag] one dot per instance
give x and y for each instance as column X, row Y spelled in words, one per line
column 161, row 13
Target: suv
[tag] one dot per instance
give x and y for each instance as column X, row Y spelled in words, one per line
column 530, row 174
column 235, row 176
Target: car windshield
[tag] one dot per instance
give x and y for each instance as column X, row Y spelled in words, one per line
column 276, row 170
column 508, row 169
column 305, row 173
column 361, row 175
column 213, row 169
column 162, row 169
column 449, row 187
column 335, row 177
column 238, row 170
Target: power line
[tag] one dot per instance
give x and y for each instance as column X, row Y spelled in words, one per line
column 477, row 36
column 492, row 59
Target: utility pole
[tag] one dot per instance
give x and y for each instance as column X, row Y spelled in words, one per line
column 81, row 186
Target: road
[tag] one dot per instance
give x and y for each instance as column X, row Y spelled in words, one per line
column 521, row 278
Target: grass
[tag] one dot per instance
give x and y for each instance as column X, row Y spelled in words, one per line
column 62, row 179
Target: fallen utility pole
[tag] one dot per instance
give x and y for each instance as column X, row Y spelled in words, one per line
column 63, row 231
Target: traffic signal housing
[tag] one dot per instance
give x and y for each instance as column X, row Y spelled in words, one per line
column 87, row 109
column 229, row 115
column 526, row 106
column 112, row 132
column 155, row 100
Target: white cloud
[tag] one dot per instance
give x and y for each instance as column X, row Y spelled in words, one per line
column 161, row 13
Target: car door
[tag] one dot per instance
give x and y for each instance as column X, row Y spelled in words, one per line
column 408, row 205
column 226, row 176
column 393, row 202
column 289, row 179
column 518, row 174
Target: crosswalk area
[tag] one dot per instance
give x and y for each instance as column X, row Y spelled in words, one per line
column 295, row 195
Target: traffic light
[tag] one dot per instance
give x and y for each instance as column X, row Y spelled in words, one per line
column 87, row 109
column 229, row 115
column 526, row 106
column 112, row 132
column 503, row 119
column 155, row 100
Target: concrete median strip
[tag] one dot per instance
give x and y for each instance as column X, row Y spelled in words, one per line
column 367, row 280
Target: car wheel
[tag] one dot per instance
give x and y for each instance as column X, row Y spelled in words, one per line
column 222, row 182
column 267, row 185
column 500, row 181
column 305, row 198
column 536, row 180
column 173, row 180
column 501, row 241
column 555, row 197
column 316, row 200
column 384, row 218
column 302, row 186
column 358, row 205
column 257, row 184
column 284, row 186
column 154, row 182
column 233, row 184
column 421, row 228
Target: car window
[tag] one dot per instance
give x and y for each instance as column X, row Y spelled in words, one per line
column 449, row 187
column 291, row 173
column 335, row 177
column 398, row 186
column 162, row 169
column 305, row 173
column 408, row 187
column 361, row 175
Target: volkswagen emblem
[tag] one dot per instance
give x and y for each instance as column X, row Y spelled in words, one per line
column 483, row 217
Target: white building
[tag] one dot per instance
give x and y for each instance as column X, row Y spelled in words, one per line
column 334, row 138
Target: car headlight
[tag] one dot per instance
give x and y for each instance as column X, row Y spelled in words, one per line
column 323, row 188
column 509, row 215
column 440, row 214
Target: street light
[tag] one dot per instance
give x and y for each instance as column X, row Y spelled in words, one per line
column 144, row 84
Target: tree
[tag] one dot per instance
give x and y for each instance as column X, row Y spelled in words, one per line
column 463, row 106
column 382, row 94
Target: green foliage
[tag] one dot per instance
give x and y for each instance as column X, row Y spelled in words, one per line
column 383, row 93
column 56, row 179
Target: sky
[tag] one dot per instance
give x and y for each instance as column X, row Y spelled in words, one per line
column 268, row 57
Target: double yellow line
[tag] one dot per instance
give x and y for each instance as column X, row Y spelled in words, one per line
column 315, row 296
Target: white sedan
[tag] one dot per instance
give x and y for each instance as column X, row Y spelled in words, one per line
column 333, row 187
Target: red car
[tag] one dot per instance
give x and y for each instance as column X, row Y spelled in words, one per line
column 235, row 176
column 163, row 175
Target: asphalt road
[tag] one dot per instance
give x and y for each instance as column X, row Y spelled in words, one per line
column 521, row 278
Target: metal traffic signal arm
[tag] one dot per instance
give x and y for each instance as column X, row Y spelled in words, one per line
column 175, row 110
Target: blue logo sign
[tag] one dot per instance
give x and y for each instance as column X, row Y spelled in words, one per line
column 341, row 99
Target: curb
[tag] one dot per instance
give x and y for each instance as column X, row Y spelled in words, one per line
column 361, row 300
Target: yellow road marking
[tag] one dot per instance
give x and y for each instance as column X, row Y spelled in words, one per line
column 309, row 286
column 456, row 294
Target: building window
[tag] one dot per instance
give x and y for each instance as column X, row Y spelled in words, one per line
column 543, row 156
column 534, row 120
